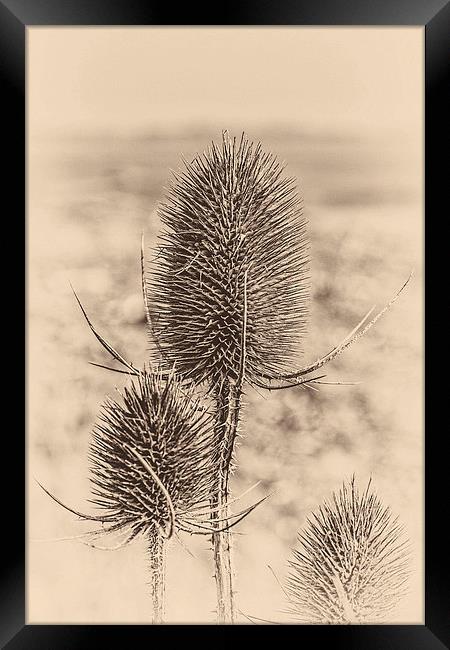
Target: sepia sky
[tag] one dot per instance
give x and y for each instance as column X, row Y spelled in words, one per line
column 133, row 78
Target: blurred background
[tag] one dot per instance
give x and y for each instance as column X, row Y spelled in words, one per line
column 110, row 112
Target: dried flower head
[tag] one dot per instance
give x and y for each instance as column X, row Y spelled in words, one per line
column 232, row 267
column 152, row 455
column 352, row 566
column 154, row 463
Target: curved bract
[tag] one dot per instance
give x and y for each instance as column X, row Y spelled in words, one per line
column 231, row 275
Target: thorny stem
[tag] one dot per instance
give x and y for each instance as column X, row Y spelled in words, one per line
column 157, row 553
column 228, row 400
column 228, row 404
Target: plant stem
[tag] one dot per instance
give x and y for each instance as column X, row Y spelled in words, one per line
column 228, row 407
column 157, row 575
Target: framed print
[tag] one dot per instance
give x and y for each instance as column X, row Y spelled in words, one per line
column 225, row 234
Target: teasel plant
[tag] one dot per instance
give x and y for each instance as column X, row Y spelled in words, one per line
column 353, row 561
column 153, row 468
column 226, row 306
column 228, row 299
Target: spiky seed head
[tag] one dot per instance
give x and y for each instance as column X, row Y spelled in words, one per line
column 156, row 441
column 352, row 565
column 232, row 263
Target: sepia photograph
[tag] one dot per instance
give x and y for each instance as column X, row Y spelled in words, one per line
column 225, row 269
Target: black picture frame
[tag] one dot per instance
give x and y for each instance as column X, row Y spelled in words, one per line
column 15, row 17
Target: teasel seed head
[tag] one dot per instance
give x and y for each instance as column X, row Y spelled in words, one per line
column 231, row 276
column 152, row 458
column 353, row 565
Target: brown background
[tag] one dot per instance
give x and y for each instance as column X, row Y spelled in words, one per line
column 109, row 113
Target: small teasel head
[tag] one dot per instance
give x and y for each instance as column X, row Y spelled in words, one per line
column 353, row 562
column 232, row 270
column 155, row 458
column 152, row 456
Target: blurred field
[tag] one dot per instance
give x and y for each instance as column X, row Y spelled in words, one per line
column 89, row 199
